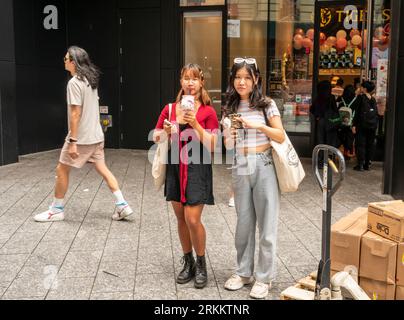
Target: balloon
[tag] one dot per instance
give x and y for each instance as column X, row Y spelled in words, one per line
column 341, row 43
column 341, row 34
column 323, row 38
column 307, row 43
column 299, row 31
column 356, row 40
column 298, row 45
column 379, row 32
column 331, row 41
column 354, row 32
column 325, row 48
column 383, row 40
column 310, row 34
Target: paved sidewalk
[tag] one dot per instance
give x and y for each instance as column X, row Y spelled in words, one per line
column 89, row 256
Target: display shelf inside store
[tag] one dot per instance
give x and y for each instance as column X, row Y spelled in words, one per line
column 337, row 72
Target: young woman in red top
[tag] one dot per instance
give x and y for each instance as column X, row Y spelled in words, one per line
column 188, row 185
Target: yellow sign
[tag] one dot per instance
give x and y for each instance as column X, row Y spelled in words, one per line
column 326, row 17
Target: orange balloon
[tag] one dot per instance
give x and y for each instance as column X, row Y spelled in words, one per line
column 331, row 41
column 323, row 38
column 356, row 40
column 341, row 43
column 354, row 32
column 341, row 34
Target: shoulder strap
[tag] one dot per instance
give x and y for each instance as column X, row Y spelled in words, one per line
column 265, row 117
column 170, row 108
column 353, row 100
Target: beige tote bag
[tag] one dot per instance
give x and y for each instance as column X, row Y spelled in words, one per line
column 160, row 160
column 288, row 167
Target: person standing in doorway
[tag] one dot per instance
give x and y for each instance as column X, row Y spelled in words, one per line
column 192, row 130
column 85, row 139
column 365, row 125
column 255, row 184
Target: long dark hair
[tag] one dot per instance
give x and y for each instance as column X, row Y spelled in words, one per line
column 257, row 98
column 85, row 69
column 197, row 72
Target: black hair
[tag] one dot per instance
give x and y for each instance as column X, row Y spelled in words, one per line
column 357, row 82
column 340, row 82
column 368, row 85
column 349, row 93
column 85, row 69
column 257, row 98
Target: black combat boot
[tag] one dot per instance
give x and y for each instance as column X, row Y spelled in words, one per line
column 188, row 272
column 201, row 274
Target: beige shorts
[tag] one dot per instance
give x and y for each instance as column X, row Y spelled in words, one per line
column 87, row 153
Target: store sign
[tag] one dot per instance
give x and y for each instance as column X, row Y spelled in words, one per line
column 51, row 20
column 233, row 28
column 350, row 16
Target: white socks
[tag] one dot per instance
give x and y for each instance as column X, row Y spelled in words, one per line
column 119, row 197
column 57, row 205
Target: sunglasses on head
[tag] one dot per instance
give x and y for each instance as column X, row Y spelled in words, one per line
column 246, row 60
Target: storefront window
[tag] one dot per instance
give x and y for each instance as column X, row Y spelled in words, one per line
column 290, row 76
column 380, row 53
column 247, row 32
column 192, row 3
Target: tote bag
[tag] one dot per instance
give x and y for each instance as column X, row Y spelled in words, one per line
column 288, row 167
column 160, row 159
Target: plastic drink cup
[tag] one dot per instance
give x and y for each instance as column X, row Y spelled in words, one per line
column 188, row 103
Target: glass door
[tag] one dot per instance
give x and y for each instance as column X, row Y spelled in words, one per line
column 203, row 33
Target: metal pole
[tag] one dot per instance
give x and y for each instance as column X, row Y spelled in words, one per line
column 369, row 37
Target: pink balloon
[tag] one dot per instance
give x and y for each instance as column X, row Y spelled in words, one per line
column 341, row 34
column 310, row 34
column 307, row 43
column 356, row 40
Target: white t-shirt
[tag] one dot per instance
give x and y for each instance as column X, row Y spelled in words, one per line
column 80, row 93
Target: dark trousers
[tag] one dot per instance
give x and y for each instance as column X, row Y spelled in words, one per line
column 365, row 145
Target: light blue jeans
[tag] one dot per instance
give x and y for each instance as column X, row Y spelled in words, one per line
column 257, row 198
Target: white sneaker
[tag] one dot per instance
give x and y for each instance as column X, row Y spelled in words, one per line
column 51, row 215
column 260, row 290
column 236, row 282
column 122, row 211
column 231, row 202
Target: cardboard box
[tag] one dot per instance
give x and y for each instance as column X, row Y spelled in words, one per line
column 400, row 265
column 387, row 219
column 378, row 258
column 400, row 293
column 378, row 290
column 346, row 240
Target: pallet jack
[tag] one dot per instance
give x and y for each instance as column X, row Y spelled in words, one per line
column 319, row 286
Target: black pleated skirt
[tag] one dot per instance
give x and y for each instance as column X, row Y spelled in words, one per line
column 199, row 188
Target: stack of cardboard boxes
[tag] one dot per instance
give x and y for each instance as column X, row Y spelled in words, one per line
column 369, row 243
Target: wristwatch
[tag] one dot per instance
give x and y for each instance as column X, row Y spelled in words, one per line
column 71, row 140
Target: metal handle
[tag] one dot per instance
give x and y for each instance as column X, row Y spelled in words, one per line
column 328, row 150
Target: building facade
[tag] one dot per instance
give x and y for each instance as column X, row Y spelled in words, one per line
column 140, row 45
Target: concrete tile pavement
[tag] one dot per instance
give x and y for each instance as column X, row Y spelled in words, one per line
column 89, row 256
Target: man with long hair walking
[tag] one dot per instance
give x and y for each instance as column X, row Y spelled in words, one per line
column 85, row 139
